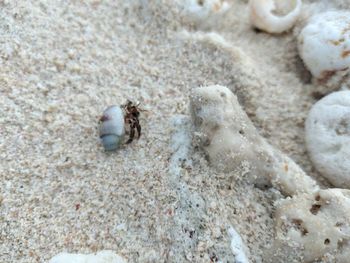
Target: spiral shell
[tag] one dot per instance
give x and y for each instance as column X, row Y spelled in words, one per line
column 264, row 14
column 112, row 128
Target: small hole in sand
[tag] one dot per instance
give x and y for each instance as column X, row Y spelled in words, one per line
column 327, row 241
column 315, row 209
column 317, row 197
column 200, row 2
column 241, row 132
column 223, row 95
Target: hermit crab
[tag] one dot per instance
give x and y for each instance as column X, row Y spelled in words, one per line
column 118, row 120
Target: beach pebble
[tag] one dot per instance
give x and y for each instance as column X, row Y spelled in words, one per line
column 224, row 131
column 327, row 130
column 104, row 256
column 198, row 10
column 324, row 46
column 274, row 16
column 239, row 249
column 310, row 226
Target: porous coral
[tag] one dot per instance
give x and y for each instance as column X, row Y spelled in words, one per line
column 232, row 142
column 312, row 226
column 327, row 130
column 324, row 46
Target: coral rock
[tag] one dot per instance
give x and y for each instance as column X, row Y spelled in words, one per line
column 311, row 226
column 328, row 137
column 232, row 143
column 324, row 46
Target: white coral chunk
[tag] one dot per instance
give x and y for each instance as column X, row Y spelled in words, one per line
column 327, row 130
column 324, row 46
column 232, row 143
column 310, row 226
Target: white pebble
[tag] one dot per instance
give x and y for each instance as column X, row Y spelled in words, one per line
column 237, row 246
column 202, row 9
column 324, row 46
column 328, row 137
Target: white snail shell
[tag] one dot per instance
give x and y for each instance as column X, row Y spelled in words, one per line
column 324, row 46
column 263, row 14
column 112, row 128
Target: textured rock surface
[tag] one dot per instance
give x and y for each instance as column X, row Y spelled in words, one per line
column 324, row 46
column 312, row 227
column 232, row 142
column 327, row 130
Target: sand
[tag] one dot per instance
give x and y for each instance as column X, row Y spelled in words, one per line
column 156, row 200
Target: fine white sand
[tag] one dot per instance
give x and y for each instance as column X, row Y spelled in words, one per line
column 155, row 200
